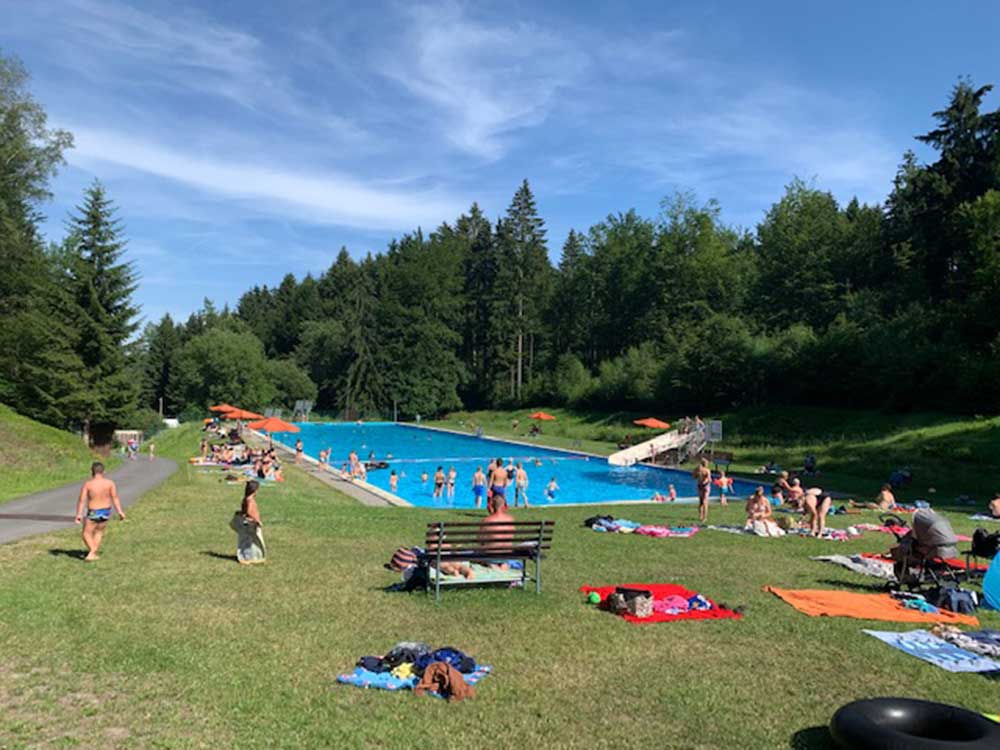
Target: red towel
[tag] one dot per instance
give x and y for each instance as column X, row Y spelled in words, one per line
column 952, row 562
column 662, row 591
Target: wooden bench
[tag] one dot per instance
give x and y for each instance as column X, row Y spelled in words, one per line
column 722, row 459
column 449, row 542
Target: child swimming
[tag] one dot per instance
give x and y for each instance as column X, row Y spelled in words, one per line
column 393, row 481
column 551, row 489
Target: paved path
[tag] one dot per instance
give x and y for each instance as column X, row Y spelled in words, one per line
column 46, row 511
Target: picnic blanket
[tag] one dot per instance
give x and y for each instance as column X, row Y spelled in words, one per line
column 952, row 562
column 661, row 591
column 863, row 564
column 661, row 532
column 364, row 678
column 936, row 651
column 818, row 602
column 984, row 517
column 829, row 535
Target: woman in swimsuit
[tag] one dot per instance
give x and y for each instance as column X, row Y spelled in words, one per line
column 703, row 477
column 452, row 476
column 438, row 482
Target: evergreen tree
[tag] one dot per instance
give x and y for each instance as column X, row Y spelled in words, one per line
column 102, row 285
column 478, row 272
column 523, row 245
column 160, row 344
column 39, row 372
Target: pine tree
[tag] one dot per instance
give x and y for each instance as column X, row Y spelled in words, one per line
column 103, row 286
column 363, row 390
column 38, row 368
column 479, row 269
column 160, row 343
column 524, row 240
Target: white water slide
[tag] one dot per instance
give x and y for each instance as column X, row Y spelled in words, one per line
column 686, row 442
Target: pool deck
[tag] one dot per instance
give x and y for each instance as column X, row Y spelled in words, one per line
column 364, row 493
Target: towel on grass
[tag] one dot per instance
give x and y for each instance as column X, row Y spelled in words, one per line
column 868, row 566
column 661, row 591
column 984, row 517
column 936, row 650
column 661, row 532
column 952, row 562
column 831, row 603
column 364, row 678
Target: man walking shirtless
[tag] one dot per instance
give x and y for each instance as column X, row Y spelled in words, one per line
column 98, row 495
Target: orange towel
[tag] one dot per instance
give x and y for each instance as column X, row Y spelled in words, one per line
column 816, row 602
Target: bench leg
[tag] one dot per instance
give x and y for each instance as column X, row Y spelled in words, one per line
column 538, row 574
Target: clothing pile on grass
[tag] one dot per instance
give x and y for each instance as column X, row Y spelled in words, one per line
column 612, row 525
column 641, row 603
column 443, row 672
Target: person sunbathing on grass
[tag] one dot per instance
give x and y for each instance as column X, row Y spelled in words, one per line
column 758, row 507
column 794, row 494
column 994, row 506
column 884, row 500
column 98, row 495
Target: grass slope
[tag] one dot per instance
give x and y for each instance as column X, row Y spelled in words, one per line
column 167, row 643
column 856, row 450
column 34, row 456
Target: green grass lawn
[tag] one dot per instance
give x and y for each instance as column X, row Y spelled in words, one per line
column 168, row 643
column 856, row 450
column 34, row 456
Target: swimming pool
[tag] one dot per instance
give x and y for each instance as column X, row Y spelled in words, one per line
column 414, row 450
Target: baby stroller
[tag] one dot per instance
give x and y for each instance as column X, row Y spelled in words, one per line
column 919, row 557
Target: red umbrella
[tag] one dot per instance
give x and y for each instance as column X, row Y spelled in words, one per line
column 273, row 424
column 235, row 413
column 221, row 407
column 653, row 423
column 541, row 415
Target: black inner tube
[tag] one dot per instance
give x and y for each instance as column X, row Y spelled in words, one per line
column 883, row 723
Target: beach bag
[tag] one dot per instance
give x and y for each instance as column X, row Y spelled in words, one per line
column 641, row 606
column 985, row 544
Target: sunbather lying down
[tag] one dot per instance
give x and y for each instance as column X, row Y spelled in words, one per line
column 404, row 561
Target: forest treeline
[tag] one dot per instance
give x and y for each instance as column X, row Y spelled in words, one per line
column 891, row 305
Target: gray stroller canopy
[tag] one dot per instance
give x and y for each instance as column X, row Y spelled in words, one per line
column 933, row 534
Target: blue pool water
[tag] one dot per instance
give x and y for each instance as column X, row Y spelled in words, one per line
column 414, row 450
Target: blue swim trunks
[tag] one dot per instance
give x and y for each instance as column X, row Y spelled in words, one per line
column 501, row 491
column 479, row 490
column 99, row 515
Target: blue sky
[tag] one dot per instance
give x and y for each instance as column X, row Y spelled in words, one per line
column 243, row 140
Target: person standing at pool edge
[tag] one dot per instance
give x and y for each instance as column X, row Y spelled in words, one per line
column 298, row 452
column 499, row 479
column 98, row 494
column 703, row 477
column 479, row 485
column 520, row 485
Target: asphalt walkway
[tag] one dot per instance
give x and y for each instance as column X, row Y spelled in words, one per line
column 49, row 510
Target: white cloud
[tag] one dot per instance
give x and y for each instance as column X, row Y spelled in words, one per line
column 484, row 81
column 322, row 198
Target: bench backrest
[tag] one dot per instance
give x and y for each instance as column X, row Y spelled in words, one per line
column 496, row 539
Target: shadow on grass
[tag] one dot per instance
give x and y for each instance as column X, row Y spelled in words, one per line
column 220, row 556
column 877, row 587
column 813, row 738
column 77, row 554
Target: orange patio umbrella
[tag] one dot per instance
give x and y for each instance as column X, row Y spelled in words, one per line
column 541, row 415
column 653, row 423
column 221, row 407
column 235, row 413
column 273, row 424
